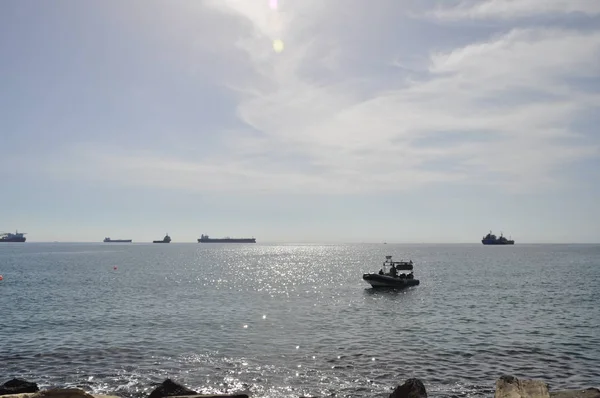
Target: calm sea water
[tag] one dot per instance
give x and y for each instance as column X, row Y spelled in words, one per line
column 291, row 320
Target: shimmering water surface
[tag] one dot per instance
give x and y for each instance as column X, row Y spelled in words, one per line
column 292, row 320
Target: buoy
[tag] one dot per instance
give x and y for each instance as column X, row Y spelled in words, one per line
column 1, row 277
column 115, row 267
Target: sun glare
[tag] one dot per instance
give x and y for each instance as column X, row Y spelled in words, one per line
column 278, row 46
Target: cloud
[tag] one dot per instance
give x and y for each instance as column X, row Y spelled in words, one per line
column 496, row 111
column 507, row 9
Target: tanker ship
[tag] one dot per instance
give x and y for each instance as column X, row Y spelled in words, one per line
column 491, row 239
column 206, row 239
column 16, row 237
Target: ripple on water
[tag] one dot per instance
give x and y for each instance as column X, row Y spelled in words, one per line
column 290, row 320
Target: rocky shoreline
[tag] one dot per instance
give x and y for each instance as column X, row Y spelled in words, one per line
column 506, row 387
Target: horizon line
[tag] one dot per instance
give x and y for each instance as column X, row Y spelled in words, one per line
column 322, row 242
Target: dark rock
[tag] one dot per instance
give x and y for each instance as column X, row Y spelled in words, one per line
column 587, row 393
column 169, row 388
column 18, row 386
column 412, row 388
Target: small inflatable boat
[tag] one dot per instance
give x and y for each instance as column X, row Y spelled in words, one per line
column 392, row 278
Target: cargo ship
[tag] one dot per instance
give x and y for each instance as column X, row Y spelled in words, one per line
column 491, row 239
column 109, row 240
column 166, row 239
column 205, row 239
column 9, row 237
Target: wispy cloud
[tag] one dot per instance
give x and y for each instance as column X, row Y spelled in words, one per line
column 499, row 110
column 507, row 9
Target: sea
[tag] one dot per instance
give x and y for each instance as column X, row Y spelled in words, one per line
column 297, row 320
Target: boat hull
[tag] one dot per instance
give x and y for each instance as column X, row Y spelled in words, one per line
column 377, row 280
column 225, row 240
column 119, row 241
column 496, row 243
column 13, row 240
column 160, row 241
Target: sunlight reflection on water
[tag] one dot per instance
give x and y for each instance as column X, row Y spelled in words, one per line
column 289, row 320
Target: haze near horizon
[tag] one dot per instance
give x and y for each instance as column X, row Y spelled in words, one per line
column 301, row 121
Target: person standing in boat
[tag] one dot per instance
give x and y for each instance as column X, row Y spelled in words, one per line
column 393, row 271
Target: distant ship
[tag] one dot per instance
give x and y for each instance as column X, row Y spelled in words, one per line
column 109, row 240
column 166, row 239
column 206, row 239
column 16, row 237
column 490, row 239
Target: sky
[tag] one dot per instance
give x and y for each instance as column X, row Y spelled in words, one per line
column 409, row 121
